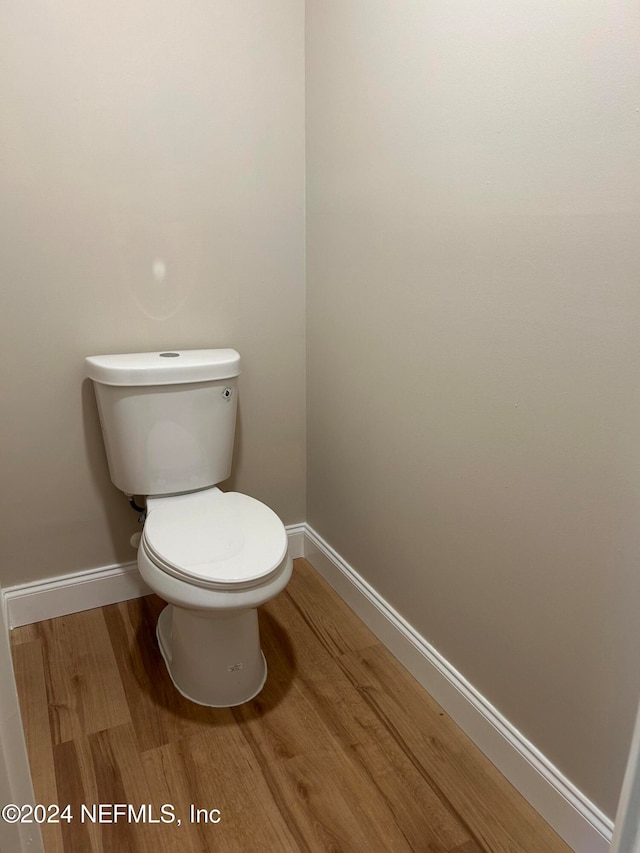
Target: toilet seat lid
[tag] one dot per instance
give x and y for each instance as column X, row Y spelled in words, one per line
column 215, row 538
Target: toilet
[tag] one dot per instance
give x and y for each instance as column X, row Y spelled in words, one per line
column 168, row 423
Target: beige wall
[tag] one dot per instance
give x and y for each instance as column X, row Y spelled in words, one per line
column 137, row 135
column 474, row 345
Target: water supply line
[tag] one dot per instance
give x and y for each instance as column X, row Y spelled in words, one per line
column 134, row 541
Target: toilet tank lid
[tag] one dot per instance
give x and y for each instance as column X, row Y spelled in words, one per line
column 169, row 367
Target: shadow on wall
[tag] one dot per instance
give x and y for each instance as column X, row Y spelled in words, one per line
column 121, row 520
column 230, row 484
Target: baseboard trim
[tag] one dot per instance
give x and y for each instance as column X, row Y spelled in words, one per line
column 573, row 816
column 39, row 600
column 296, row 534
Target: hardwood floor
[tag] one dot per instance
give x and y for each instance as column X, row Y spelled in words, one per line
column 342, row 751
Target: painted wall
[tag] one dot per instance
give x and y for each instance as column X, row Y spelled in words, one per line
column 152, row 197
column 474, row 348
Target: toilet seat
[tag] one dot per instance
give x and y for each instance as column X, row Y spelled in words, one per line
column 222, row 540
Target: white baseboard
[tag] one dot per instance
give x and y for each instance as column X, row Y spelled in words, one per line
column 573, row 816
column 296, row 534
column 39, row 600
column 578, row 821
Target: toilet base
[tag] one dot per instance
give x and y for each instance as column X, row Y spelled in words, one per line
column 213, row 659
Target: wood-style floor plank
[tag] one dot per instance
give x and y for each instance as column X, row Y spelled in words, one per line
column 219, row 773
column 76, row 648
column 460, row 774
column 341, row 752
column 426, row 821
column 120, row 778
column 326, row 614
column 73, row 792
column 28, row 666
column 318, row 799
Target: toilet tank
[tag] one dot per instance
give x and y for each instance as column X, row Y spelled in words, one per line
column 168, row 418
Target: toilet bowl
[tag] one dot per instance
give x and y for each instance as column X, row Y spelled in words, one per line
column 215, row 557
column 168, row 422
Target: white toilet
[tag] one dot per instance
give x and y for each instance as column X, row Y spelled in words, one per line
column 168, row 422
